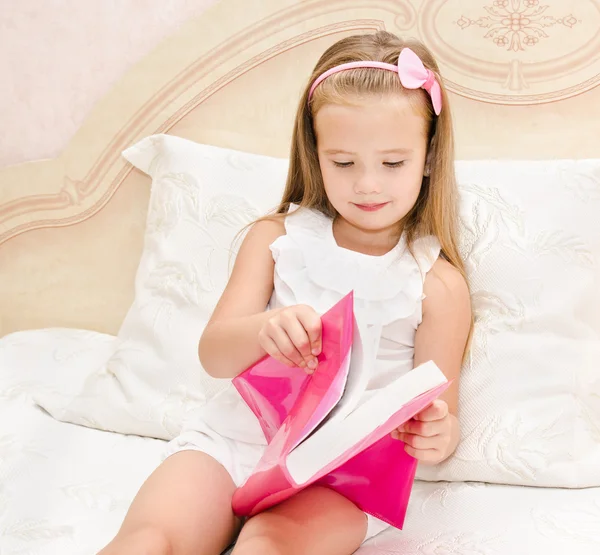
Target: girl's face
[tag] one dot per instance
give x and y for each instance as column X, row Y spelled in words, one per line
column 372, row 157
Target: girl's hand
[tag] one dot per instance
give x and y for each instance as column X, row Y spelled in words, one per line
column 432, row 435
column 293, row 336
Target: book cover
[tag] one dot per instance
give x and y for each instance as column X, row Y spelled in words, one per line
column 321, row 431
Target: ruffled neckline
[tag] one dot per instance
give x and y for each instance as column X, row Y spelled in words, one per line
column 317, row 271
column 392, row 277
column 397, row 249
column 323, row 225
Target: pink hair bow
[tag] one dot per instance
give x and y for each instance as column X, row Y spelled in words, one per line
column 414, row 75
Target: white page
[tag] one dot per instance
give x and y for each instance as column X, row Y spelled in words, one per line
column 337, row 389
column 362, row 361
column 334, row 438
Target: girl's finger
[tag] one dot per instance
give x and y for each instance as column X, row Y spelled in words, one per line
column 438, row 410
column 272, row 347
column 300, row 340
column 311, row 322
column 425, row 429
column 418, row 442
column 428, row 456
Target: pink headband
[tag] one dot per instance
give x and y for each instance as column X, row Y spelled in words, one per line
column 413, row 75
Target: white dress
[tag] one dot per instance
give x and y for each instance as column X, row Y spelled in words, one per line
column 310, row 268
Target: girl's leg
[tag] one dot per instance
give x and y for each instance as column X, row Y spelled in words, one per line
column 316, row 521
column 183, row 508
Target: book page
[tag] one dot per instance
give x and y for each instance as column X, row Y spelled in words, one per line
column 362, row 362
column 353, row 379
column 335, row 392
column 339, row 437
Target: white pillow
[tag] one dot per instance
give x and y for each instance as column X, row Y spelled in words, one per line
column 530, row 392
column 201, row 198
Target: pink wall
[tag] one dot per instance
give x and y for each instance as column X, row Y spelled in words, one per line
column 58, row 57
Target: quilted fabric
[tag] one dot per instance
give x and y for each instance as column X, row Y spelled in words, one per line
column 201, row 198
column 530, row 390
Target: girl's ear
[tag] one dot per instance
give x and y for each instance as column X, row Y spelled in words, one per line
column 427, row 169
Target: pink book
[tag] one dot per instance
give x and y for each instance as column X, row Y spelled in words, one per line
column 321, row 430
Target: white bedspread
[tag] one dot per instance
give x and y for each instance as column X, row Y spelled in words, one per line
column 64, row 489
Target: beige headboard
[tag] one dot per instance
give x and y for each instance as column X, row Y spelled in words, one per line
column 523, row 76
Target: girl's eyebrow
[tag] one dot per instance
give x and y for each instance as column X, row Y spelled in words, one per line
column 396, row 151
column 338, row 151
column 387, row 151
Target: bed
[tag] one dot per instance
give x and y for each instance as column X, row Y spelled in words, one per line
column 72, row 235
column 65, row 488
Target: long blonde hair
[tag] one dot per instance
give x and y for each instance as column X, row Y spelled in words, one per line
column 435, row 211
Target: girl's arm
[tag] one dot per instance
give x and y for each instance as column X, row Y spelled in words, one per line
column 230, row 343
column 442, row 335
column 432, row 436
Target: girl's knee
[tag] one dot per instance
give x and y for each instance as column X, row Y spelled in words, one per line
column 260, row 536
column 146, row 540
column 259, row 545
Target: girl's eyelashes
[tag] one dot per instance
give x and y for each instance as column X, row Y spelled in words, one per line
column 386, row 164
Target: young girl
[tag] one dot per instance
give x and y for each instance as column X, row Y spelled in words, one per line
column 369, row 206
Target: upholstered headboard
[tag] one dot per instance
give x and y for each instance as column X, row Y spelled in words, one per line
column 523, row 77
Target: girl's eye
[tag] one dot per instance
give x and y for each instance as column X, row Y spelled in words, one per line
column 343, row 164
column 394, row 164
